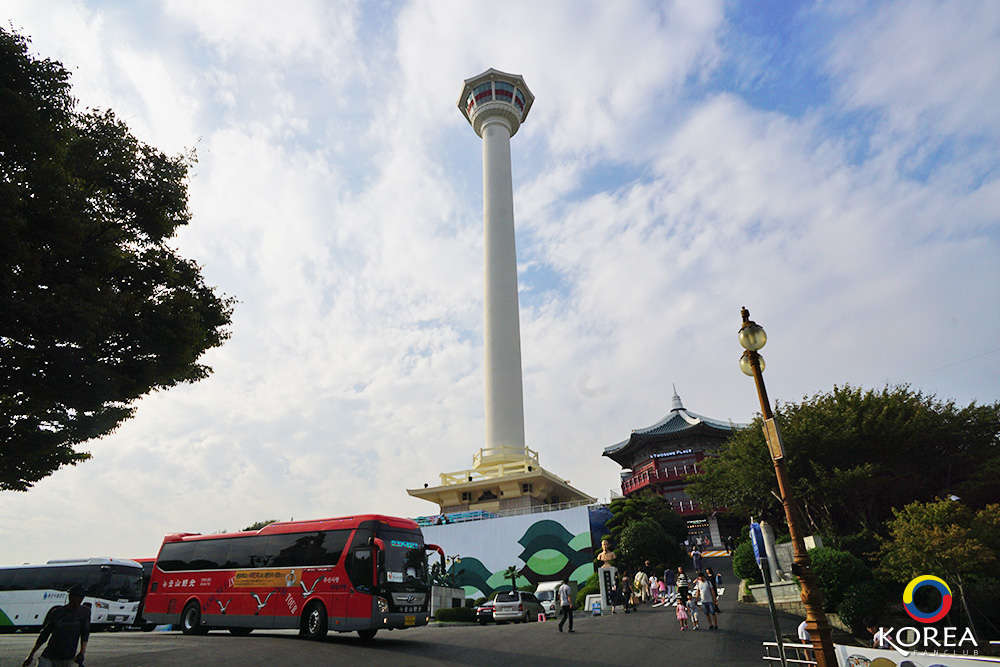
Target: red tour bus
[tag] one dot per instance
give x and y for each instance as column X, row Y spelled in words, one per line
column 361, row 573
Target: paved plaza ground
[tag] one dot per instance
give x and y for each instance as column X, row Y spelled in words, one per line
column 648, row 637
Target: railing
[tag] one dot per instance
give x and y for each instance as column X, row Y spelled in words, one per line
column 454, row 517
column 504, row 452
column 507, row 460
column 538, row 509
column 663, row 475
column 480, row 515
column 683, row 507
column 802, row 653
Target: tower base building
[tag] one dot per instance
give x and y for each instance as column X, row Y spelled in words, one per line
column 501, row 478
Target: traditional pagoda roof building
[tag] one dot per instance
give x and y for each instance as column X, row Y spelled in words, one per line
column 663, row 457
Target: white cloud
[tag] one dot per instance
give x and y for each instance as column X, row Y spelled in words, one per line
column 930, row 71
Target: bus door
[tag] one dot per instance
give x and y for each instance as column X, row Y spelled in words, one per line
column 362, row 575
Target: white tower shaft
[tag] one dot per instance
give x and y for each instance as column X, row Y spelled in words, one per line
column 495, row 103
column 504, row 391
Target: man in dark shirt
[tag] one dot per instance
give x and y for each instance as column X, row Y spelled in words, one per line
column 64, row 627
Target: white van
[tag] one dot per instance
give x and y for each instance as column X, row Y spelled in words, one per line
column 546, row 593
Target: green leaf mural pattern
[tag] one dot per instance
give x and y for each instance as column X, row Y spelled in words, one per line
column 550, row 552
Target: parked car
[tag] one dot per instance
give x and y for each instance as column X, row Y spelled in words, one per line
column 484, row 612
column 516, row 606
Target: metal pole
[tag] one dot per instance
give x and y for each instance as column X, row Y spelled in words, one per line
column 766, row 576
column 818, row 627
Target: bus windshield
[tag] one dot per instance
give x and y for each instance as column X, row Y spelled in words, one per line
column 405, row 560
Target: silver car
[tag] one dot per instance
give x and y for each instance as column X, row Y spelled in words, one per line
column 516, row 606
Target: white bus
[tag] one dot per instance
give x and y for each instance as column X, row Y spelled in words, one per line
column 29, row 592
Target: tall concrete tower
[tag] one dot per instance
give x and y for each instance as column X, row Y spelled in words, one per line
column 505, row 474
column 496, row 104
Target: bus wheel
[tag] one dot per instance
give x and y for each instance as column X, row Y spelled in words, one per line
column 240, row 632
column 314, row 623
column 191, row 620
column 367, row 635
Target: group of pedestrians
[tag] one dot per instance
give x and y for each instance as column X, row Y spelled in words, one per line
column 674, row 589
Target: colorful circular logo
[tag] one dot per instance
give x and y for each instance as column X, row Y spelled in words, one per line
column 933, row 616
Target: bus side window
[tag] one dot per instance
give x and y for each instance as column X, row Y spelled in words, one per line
column 24, row 580
column 175, row 556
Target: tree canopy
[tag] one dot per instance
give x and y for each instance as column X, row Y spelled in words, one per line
column 854, row 455
column 644, row 526
column 943, row 538
column 98, row 310
column 947, row 539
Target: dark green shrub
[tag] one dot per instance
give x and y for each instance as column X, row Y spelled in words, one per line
column 581, row 596
column 836, row 571
column 865, row 599
column 455, row 615
column 745, row 565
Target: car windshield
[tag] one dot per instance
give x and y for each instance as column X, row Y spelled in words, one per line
column 546, row 595
column 508, row 596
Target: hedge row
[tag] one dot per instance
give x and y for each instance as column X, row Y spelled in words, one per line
column 455, row 615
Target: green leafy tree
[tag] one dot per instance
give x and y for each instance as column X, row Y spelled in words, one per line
column 512, row 573
column 853, row 456
column 643, row 526
column 257, row 525
column 98, row 310
column 643, row 505
column 943, row 538
column 745, row 564
column 836, row 571
column 947, row 539
column 646, row 539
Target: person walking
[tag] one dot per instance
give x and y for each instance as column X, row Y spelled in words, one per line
column 642, row 586
column 565, row 605
column 670, row 579
column 625, row 588
column 682, row 584
column 682, row 615
column 706, row 594
column 65, row 627
column 716, row 581
column 696, row 558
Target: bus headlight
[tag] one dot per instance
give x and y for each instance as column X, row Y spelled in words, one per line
column 383, row 605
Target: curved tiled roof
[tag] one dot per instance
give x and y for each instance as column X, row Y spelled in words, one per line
column 677, row 422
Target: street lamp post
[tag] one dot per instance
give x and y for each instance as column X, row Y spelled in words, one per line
column 752, row 338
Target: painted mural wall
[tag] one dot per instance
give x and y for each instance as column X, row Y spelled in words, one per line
column 543, row 547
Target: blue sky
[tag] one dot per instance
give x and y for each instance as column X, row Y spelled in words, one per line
column 833, row 166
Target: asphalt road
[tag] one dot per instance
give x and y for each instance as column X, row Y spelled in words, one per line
column 648, row 637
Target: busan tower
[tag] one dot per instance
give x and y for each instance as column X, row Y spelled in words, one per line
column 505, row 474
column 495, row 104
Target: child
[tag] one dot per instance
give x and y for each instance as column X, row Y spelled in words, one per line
column 682, row 614
column 692, row 605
